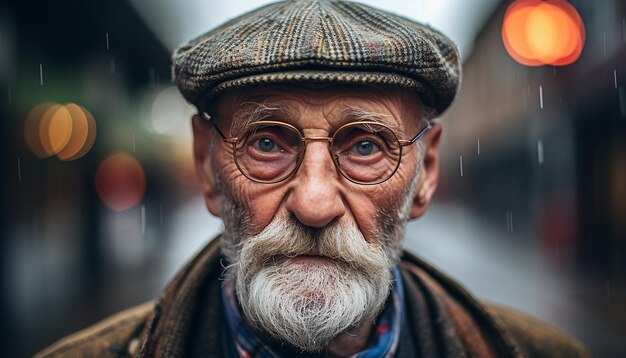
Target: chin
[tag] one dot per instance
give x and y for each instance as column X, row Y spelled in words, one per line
column 307, row 301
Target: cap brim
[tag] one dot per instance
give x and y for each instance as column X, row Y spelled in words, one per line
column 316, row 76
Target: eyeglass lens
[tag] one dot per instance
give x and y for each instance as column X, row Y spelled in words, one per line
column 363, row 152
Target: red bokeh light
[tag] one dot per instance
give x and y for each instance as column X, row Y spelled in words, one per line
column 120, row 181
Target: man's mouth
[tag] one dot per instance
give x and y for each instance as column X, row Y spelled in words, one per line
column 312, row 259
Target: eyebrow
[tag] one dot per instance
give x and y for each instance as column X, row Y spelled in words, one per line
column 358, row 114
column 251, row 112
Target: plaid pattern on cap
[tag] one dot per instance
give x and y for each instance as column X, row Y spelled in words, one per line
column 319, row 41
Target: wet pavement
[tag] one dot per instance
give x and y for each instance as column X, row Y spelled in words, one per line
column 509, row 268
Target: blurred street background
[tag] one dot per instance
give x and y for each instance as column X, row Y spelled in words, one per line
column 100, row 204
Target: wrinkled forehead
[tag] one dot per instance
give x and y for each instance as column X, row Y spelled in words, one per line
column 332, row 100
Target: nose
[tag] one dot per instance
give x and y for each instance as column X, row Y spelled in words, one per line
column 315, row 198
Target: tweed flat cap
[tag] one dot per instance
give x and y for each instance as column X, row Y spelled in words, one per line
column 319, row 41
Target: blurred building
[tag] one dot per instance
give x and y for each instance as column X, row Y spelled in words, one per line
column 542, row 151
column 547, row 143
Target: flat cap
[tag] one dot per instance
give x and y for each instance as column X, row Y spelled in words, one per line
column 319, row 41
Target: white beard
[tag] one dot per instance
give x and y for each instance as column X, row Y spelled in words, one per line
column 308, row 302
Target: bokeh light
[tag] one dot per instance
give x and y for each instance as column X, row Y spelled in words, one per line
column 167, row 114
column 31, row 129
column 67, row 131
column 120, row 181
column 169, row 110
column 55, row 129
column 543, row 32
column 83, row 133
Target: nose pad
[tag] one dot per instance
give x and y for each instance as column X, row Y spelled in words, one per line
column 316, row 199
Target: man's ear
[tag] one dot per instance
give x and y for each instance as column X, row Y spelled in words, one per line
column 429, row 177
column 201, row 143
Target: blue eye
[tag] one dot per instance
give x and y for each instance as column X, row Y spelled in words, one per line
column 365, row 147
column 266, row 145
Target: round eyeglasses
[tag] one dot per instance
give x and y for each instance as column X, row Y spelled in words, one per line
column 364, row 152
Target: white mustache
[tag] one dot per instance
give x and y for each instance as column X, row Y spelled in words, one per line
column 288, row 238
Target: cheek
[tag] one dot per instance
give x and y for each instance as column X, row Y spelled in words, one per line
column 374, row 206
column 263, row 202
column 364, row 213
column 259, row 201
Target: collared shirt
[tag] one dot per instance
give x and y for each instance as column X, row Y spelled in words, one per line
column 243, row 342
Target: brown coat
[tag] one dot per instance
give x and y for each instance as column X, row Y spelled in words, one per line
column 151, row 329
column 117, row 336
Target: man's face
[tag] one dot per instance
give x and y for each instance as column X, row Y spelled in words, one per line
column 312, row 254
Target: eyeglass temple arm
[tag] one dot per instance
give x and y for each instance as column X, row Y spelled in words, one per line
column 208, row 118
column 417, row 136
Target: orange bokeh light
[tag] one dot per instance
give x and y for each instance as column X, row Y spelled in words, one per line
column 67, row 131
column 120, row 181
column 31, row 128
column 542, row 32
column 55, row 129
column 83, row 133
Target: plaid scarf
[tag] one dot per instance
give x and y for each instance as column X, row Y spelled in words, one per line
column 243, row 342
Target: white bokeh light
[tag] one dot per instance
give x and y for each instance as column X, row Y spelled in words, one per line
column 170, row 112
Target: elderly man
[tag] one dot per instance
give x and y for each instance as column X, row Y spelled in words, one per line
column 315, row 143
